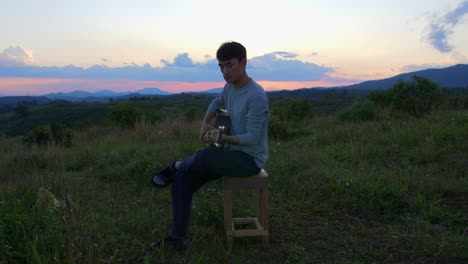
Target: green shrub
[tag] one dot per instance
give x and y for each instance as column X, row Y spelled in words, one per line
column 61, row 135
column 300, row 109
column 379, row 98
column 55, row 133
column 294, row 110
column 417, row 98
column 280, row 113
column 2, row 136
column 456, row 101
column 277, row 128
column 39, row 135
column 362, row 109
column 126, row 115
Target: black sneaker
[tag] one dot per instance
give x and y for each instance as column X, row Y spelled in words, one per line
column 176, row 243
column 164, row 177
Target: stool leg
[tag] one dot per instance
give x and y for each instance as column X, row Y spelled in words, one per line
column 262, row 213
column 228, row 215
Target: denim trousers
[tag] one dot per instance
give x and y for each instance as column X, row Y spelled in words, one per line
column 206, row 165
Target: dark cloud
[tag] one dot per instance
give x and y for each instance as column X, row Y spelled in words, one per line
column 443, row 28
column 276, row 66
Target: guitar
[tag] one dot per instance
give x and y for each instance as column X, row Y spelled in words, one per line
column 222, row 126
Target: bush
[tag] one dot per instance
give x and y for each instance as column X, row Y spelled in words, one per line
column 2, row 136
column 278, row 128
column 362, row 109
column 379, row 98
column 39, row 135
column 55, row 133
column 300, row 109
column 296, row 110
column 126, row 115
column 417, row 98
column 61, row 135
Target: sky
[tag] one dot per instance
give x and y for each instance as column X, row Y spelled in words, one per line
column 64, row 45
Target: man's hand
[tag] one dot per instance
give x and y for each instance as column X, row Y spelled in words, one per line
column 204, row 135
column 206, row 139
column 205, row 127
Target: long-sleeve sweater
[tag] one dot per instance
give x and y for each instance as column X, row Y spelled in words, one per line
column 248, row 108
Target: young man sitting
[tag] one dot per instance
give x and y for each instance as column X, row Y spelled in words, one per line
column 247, row 152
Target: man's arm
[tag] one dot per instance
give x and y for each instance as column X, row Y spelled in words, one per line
column 257, row 114
column 209, row 115
column 230, row 139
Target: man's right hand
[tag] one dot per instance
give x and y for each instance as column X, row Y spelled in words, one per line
column 205, row 127
column 203, row 133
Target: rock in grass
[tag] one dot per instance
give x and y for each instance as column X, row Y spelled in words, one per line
column 46, row 199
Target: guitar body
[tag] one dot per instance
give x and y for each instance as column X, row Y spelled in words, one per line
column 223, row 120
column 222, row 126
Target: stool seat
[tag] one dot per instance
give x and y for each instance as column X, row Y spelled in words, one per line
column 260, row 183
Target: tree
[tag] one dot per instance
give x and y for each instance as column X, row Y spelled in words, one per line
column 417, row 97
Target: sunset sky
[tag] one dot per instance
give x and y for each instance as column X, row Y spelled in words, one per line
column 60, row 46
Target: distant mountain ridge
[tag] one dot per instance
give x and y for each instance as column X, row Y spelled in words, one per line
column 105, row 93
column 451, row 77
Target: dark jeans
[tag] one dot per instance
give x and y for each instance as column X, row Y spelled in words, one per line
column 206, row 165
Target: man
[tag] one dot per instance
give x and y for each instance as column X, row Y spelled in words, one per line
column 247, row 105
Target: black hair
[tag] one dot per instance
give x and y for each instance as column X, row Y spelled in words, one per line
column 230, row 50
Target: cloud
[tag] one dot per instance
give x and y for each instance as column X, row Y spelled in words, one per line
column 270, row 67
column 443, row 28
column 276, row 66
column 16, row 56
column 181, row 60
column 284, row 54
column 419, row 67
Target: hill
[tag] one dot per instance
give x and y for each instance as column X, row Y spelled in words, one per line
column 450, row 77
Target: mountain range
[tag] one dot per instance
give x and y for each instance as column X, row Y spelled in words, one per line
column 451, row 77
column 105, row 93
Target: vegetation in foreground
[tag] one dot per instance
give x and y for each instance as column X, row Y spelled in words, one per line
column 392, row 190
column 368, row 185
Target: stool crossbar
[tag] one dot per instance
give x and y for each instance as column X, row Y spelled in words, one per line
column 260, row 183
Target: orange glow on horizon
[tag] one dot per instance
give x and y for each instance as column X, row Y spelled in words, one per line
column 293, row 85
column 38, row 86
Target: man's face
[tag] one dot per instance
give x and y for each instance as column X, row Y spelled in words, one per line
column 233, row 70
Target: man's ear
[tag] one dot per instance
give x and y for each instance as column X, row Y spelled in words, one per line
column 243, row 62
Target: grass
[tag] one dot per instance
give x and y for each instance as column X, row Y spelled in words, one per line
column 389, row 190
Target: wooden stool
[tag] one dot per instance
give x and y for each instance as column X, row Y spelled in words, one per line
column 259, row 182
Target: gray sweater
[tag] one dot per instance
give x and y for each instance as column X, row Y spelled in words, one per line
column 248, row 108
